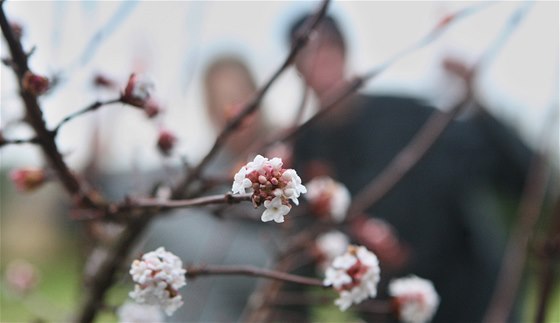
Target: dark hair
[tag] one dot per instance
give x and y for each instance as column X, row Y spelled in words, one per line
column 327, row 26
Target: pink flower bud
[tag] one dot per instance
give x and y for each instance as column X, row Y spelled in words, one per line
column 103, row 81
column 166, row 141
column 35, row 84
column 27, row 179
column 152, row 108
column 137, row 91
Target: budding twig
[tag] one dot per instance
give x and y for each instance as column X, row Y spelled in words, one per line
column 35, row 117
column 193, row 271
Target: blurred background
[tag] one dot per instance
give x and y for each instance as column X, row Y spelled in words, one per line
column 173, row 42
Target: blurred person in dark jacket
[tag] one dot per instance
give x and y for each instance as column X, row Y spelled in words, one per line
column 444, row 211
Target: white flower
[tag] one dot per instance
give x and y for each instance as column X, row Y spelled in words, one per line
column 331, row 245
column 416, row 298
column 275, row 210
column 158, row 276
column 334, row 195
column 354, row 275
column 137, row 313
column 240, row 182
column 270, row 185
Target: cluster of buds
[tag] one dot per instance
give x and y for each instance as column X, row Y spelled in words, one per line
column 138, row 313
column 28, row 179
column 166, row 141
column 329, row 246
column 138, row 92
column 34, row 84
column 158, row 277
column 415, row 299
column 328, row 198
column 271, row 185
column 354, row 275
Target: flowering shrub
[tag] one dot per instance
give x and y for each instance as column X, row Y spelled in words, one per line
column 416, row 299
column 158, row 276
column 354, row 275
column 328, row 198
column 271, row 185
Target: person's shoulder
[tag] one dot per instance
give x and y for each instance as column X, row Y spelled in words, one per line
column 396, row 105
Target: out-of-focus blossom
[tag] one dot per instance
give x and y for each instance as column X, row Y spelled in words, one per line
column 354, row 275
column 381, row 238
column 271, row 185
column 139, row 313
column 35, row 84
column 329, row 246
column 21, row 276
column 27, row 179
column 138, row 90
column 415, row 298
column 152, row 108
column 158, row 277
column 166, row 141
column 103, row 81
column 328, row 198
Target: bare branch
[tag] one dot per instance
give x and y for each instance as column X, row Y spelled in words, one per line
column 5, row 142
column 194, row 271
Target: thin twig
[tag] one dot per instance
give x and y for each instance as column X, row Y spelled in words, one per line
column 5, row 142
column 154, row 205
column 92, row 107
column 253, row 104
column 194, row 271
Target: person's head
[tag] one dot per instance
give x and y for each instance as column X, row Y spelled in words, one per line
column 322, row 61
column 228, row 86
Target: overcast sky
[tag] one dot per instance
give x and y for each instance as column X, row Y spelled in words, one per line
column 173, row 41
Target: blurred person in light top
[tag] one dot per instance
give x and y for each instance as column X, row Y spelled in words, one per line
column 198, row 236
column 444, row 210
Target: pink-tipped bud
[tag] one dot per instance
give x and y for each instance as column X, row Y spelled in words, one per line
column 35, row 84
column 262, row 179
column 166, row 141
column 103, row 81
column 27, row 179
column 137, row 91
column 152, row 108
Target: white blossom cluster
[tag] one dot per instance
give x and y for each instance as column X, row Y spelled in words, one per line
column 139, row 313
column 330, row 245
column 158, row 277
column 328, row 197
column 416, row 299
column 354, row 275
column 271, row 185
